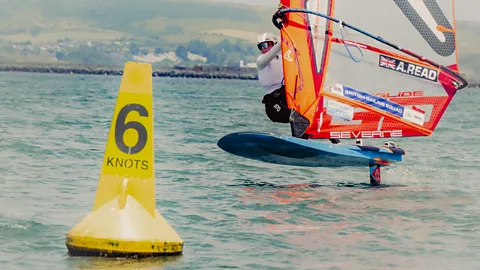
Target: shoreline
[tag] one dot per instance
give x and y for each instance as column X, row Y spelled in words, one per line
column 207, row 72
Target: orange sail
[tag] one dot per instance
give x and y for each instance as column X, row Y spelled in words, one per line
column 305, row 50
column 350, row 81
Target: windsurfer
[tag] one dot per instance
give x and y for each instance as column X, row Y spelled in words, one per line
column 270, row 75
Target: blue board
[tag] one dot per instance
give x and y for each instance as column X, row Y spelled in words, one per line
column 287, row 150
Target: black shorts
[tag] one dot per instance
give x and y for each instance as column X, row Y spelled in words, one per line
column 276, row 106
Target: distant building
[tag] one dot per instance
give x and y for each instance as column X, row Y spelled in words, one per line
column 196, row 57
column 248, row 65
column 151, row 58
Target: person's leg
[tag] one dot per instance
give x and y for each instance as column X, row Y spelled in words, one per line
column 279, row 111
column 276, row 106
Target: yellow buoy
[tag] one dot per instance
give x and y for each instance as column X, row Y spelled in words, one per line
column 124, row 221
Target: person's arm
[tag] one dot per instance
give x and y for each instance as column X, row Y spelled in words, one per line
column 264, row 59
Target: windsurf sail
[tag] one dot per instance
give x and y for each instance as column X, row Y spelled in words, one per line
column 352, row 80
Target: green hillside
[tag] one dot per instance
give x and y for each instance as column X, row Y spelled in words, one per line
column 144, row 26
column 175, row 20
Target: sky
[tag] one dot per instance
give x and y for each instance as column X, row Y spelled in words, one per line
column 468, row 10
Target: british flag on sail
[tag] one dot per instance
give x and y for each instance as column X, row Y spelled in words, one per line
column 387, row 62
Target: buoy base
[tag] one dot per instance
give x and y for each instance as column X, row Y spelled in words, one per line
column 127, row 232
column 86, row 252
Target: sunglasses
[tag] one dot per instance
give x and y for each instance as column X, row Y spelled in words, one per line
column 264, row 45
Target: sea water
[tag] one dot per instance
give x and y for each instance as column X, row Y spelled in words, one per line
column 230, row 211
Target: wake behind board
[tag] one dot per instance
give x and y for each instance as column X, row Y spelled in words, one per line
column 287, row 150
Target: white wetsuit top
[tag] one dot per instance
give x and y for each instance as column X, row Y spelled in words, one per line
column 270, row 69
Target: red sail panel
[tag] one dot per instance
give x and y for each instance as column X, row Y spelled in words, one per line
column 350, row 85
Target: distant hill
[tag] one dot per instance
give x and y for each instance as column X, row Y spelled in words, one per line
column 162, row 23
column 172, row 20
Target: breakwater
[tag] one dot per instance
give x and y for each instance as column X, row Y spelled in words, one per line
column 209, row 72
